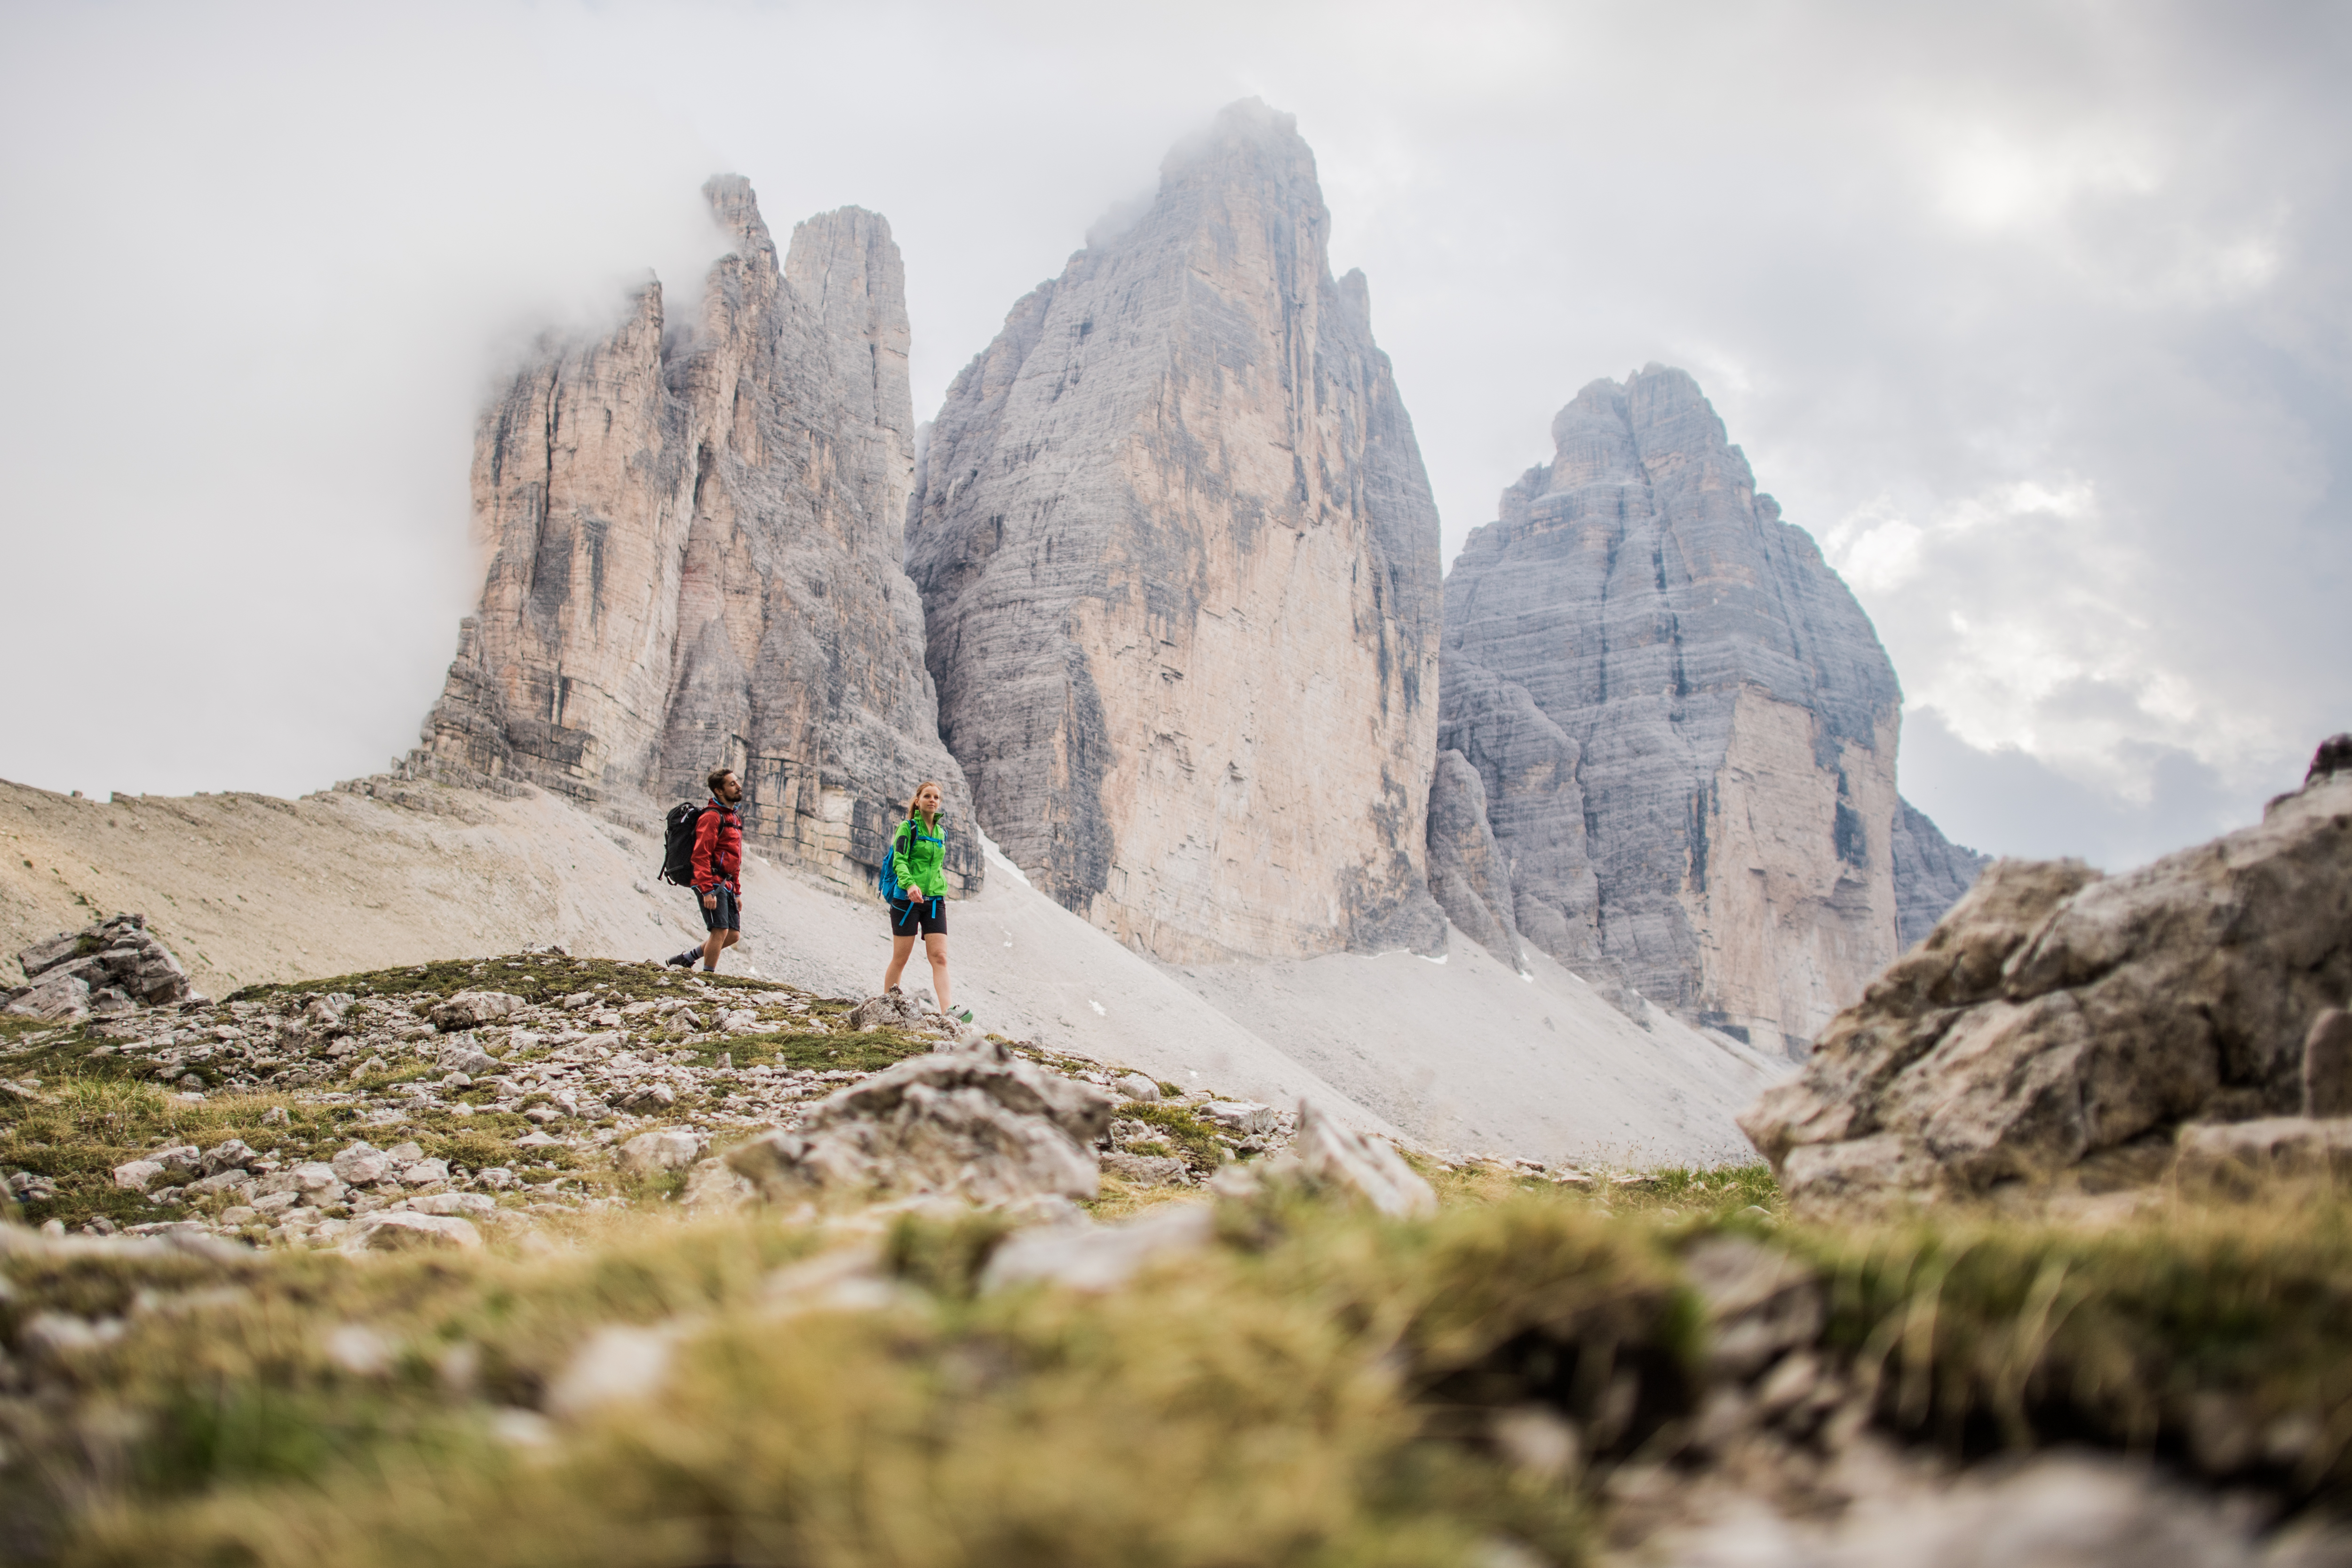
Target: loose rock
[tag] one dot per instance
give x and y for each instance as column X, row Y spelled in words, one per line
column 670, row 1149
column 468, row 1009
column 2057, row 1026
column 966, row 1122
column 1336, row 1155
column 397, row 1230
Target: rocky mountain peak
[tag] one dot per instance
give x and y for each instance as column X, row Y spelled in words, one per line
column 696, row 541
column 1684, row 726
column 1179, row 565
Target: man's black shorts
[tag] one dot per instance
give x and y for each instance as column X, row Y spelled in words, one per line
column 912, row 917
column 726, row 917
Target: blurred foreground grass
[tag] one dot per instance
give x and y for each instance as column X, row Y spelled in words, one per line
column 1319, row 1387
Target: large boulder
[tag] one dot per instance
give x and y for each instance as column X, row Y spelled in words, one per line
column 469, row 1009
column 2058, row 1027
column 969, row 1123
column 110, row 967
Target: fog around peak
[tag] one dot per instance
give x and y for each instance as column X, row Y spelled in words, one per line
column 2036, row 316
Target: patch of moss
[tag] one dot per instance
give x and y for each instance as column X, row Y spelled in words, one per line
column 537, row 978
column 870, row 1051
column 1194, row 1139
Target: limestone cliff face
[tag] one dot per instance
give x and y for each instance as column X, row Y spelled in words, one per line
column 1930, row 874
column 694, row 534
column 1685, row 724
column 1179, row 565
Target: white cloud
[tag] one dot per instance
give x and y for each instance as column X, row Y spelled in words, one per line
column 2036, row 313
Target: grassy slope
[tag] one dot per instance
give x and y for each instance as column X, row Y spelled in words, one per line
column 1313, row 1390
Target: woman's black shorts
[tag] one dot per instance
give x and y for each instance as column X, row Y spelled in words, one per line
column 919, row 917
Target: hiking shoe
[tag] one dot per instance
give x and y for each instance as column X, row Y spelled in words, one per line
column 962, row 1017
column 684, row 960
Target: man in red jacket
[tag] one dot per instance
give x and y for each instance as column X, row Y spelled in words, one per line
column 719, row 870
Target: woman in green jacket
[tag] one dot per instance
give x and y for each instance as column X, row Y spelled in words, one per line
column 918, row 853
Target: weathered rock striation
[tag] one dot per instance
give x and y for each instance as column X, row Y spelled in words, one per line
column 974, row 1122
column 113, row 966
column 695, row 540
column 1179, row 565
column 2062, row 1030
column 1931, row 873
column 1684, row 726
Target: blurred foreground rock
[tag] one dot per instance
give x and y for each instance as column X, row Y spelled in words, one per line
column 2062, row 1031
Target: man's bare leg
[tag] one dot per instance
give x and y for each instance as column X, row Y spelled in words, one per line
column 717, row 943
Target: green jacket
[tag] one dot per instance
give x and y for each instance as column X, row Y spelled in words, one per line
column 920, row 859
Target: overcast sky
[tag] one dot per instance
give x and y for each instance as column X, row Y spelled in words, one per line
column 2037, row 316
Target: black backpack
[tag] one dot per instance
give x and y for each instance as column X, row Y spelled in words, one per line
column 677, row 843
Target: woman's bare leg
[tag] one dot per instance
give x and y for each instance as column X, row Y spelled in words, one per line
column 900, row 946
column 935, row 947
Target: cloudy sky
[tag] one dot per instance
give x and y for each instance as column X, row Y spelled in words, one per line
column 2036, row 315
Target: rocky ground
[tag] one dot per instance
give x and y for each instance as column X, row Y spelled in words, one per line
column 484, row 1095
column 385, row 872
column 545, row 1259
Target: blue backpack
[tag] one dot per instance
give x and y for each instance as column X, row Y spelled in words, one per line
column 887, row 882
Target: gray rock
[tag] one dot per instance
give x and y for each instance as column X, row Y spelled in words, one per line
column 466, row 1206
column 469, row 1009
column 1467, row 873
column 1684, row 727
column 404, row 1230
column 55, row 997
column 227, row 1181
column 2242, row 1156
column 1242, row 1116
column 424, row 1172
column 49, row 953
column 616, row 1363
column 1146, row 1170
column 669, row 1149
column 314, row 1181
column 1178, row 564
column 1931, row 873
column 893, row 1010
column 137, row 1176
column 118, row 954
column 361, row 1164
column 768, row 447
column 233, row 1155
column 1096, row 1258
column 2327, row 1064
column 1759, row 1304
column 28, row 1186
column 2058, row 1026
column 2070, row 1509
column 966, row 1123
column 1336, row 1156
column 712, row 1184
column 1136, row 1087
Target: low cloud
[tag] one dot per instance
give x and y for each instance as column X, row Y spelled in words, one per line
column 2035, row 314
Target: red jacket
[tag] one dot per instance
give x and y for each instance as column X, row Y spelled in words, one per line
column 718, row 849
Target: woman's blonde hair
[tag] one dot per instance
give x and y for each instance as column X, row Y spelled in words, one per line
column 927, row 784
